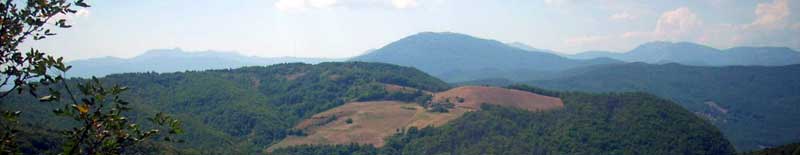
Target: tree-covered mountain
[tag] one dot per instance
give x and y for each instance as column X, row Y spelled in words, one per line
column 527, row 47
column 174, row 60
column 609, row 123
column 753, row 106
column 457, row 57
column 234, row 111
column 700, row 55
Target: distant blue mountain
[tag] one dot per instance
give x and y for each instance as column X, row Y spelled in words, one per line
column 595, row 54
column 174, row 60
column 527, row 47
column 700, row 55
column 765, row 56
column 457, row 57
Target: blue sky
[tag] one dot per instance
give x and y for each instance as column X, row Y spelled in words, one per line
column 345, row 28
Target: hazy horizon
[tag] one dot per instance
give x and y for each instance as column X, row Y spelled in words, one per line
column 347, row 28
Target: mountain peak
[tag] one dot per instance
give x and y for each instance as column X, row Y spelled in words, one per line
column 521, row 45
column 669, row 44
column 439, row 35
column 161, row 52
column 436, row 40
column 177, row 52
column 460, row 57
column 527, row 47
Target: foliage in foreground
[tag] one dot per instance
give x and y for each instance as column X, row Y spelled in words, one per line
column 98, row 124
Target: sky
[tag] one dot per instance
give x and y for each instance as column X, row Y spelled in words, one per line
column 346, row 28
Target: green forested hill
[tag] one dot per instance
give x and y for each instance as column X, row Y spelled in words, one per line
column 753, row 106
column 237, row 111
column 610, row 123
column 455, row 57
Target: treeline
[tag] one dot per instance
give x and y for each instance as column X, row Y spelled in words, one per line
column 609, row 123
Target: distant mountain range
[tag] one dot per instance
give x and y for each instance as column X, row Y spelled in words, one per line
column 174, row 60
column 527, row 47
column 458, row 57
column 700, row 55
column 455, row 57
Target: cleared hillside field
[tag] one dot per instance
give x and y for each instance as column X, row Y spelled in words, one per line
column 372, row 122
column 472, row 97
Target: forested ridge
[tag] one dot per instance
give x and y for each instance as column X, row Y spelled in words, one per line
column 235, row 110
column 754, row 106
column 608, row 123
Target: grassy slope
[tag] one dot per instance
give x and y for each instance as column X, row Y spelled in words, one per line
column 375, row 121
column 372, row 122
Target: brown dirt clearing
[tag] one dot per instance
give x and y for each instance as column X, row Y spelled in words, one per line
column 474, row 96
column 377, row 120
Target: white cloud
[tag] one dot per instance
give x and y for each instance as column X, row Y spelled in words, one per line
column 677, row 24
column 771, row 15
column 556, row 2
column 305, row 5
column 402, row 4
column 771, row 27
column 83, row 12
column 322, row 3
column 623, row 16
column 79, row 14
column 291, row 5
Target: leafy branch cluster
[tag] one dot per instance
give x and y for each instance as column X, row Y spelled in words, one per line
column 103, row 127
